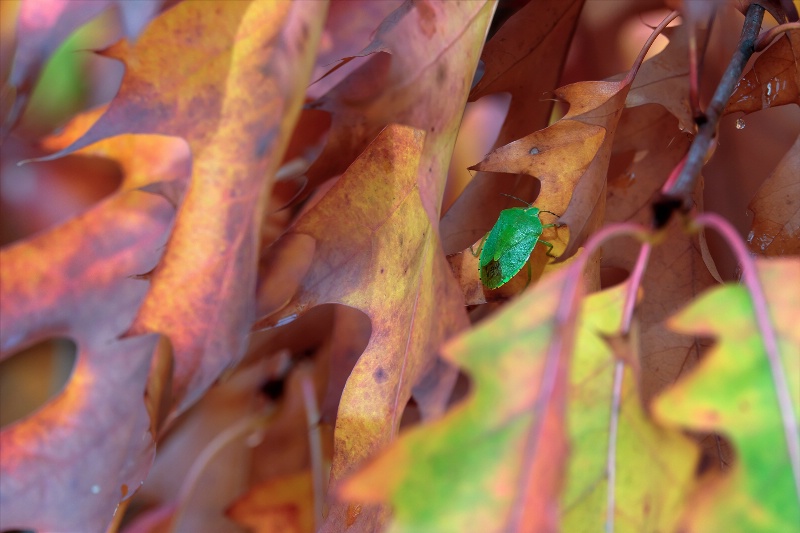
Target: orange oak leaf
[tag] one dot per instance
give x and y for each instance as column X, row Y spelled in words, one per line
column 94, row 442
column 776, row 224
column 524, row 58
column 571, row 156
column 280, row 505
column 773, row 80
column 234, row 96
column 375, row 248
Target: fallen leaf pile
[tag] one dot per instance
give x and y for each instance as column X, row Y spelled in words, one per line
column 261, row 253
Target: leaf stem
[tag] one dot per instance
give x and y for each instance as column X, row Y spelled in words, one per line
column 567, row 309
column 315, row 444
column 707, row 128
column 751, row 281
column 634, row 283
column 767, row 36
column 233, row 432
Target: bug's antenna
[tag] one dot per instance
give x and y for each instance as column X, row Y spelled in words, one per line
column 530, row 205
column 515, row 198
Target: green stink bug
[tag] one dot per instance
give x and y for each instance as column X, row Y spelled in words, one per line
column 509, row 244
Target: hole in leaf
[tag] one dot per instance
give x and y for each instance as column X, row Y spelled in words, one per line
column 32, row 377
column 38, row 196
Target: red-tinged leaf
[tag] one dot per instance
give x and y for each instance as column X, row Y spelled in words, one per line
column 234, row 99
column 776, row 224
column 420, row 76
column 375, row 248
column 92, row 444
column 524, row 58
column 465, row 471
column 774, row 79
column 733, row 391
column 654, row 467
column 349, row 28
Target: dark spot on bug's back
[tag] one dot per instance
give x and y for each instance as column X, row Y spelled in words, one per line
column 493, row 269
column 380, row 375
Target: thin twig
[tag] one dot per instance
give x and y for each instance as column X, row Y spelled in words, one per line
column 707, row 130
column 767, row 332
column 314, row 444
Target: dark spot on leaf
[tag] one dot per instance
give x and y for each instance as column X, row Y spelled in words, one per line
column 441, row 74
column 263, row 143
column 380, row 375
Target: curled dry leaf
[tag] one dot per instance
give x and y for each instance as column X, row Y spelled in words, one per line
column 774, row 79
column 776, row 209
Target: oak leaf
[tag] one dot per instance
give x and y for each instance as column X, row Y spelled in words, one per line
column 733, row 391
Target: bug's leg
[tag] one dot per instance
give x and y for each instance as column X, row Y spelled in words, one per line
column 549, row 249
column 530, row 275
column 480, row 247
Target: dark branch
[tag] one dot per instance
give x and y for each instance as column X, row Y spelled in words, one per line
column 707, row 128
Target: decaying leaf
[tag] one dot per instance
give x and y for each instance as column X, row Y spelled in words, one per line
column 91, row 443
column 774, row 79
column 776, row 225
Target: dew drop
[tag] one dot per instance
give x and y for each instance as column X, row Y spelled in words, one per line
column 285, row 320
column 739, row 123
column 534, row 151
column 95, row 489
